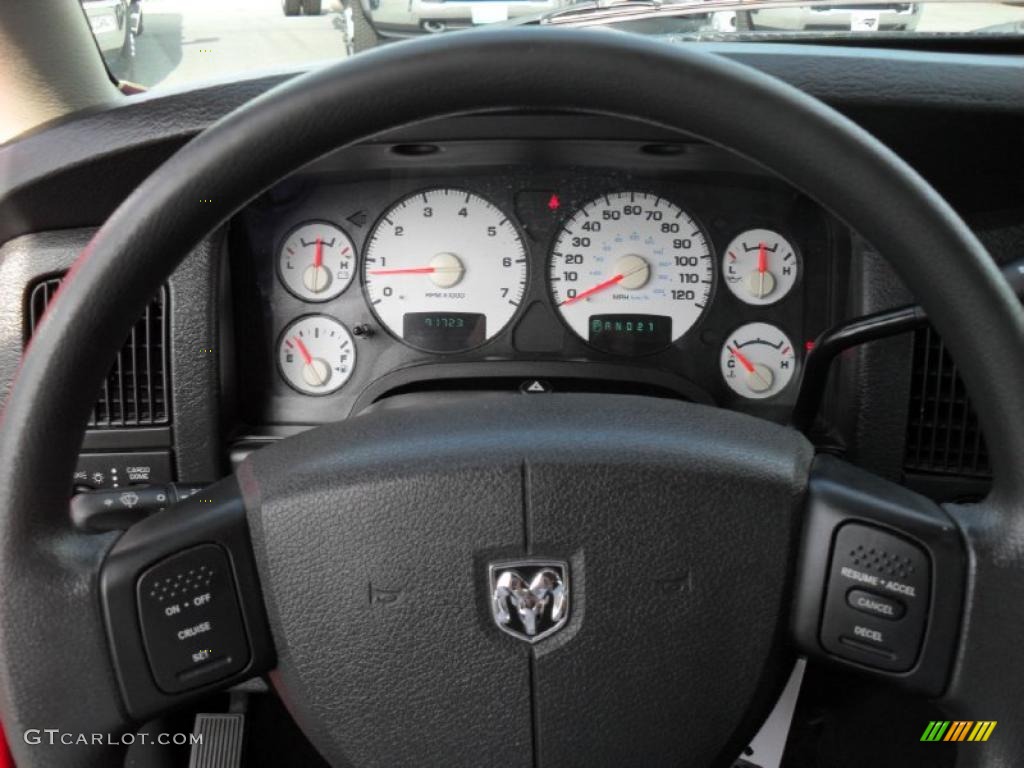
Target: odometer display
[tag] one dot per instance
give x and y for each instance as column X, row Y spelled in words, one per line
column 444, row 270
column 631, row 254
column 447, row 332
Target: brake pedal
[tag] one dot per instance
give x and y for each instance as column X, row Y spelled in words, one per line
column 220, row 745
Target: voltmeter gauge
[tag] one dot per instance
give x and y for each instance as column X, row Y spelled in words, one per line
column 317, row 261
column 760, row 266
column 316, row 355
column 758, row 360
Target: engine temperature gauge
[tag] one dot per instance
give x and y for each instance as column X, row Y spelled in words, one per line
column 316, row 355
column 757, row 360
column 760, row 266
column 317, row 261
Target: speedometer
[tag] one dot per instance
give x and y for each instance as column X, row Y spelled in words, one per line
column 444, row 270
column 631, row 272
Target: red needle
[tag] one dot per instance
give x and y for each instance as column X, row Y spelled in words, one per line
column 404, row 271
column 306, row 357
column 742, row 358
column 762, row 258
column 599, row 287
column 318, row 254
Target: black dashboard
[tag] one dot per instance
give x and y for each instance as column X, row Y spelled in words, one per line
column 668, row 268
column 896, row 407
column 303, row 307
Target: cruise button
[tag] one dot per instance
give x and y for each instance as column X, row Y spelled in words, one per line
column 876, row 605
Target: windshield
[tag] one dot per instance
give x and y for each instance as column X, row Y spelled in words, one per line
column 165, row 43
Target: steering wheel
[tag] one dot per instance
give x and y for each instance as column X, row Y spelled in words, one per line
column 356, row 563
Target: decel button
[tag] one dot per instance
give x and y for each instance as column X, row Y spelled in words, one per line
column 876, row 605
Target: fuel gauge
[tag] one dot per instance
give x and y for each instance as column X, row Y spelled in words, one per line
column 757, row 360
column 316, row 261
column 316, row 355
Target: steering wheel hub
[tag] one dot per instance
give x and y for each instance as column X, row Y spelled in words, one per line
column 664, row 532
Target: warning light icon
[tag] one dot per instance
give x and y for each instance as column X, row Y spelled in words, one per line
column 554, row 203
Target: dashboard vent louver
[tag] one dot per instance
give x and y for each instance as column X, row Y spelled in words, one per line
column 943, row 435
column 134, row 393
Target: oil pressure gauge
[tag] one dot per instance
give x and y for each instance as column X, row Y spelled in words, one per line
column 757, row 360
column 760, row 266
column 316, row 355
column 316, row 261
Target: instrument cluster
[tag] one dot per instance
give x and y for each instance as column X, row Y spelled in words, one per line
column 714, row 282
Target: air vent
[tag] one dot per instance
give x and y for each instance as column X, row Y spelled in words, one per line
column 943, row 435
column 134, row 393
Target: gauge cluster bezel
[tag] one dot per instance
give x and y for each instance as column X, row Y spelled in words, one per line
column 723, row 195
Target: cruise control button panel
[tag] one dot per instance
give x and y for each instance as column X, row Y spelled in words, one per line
column 876, row 602
column 192, row 626
column 879, row 580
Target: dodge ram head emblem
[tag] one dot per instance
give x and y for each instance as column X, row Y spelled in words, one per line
column 530, row 598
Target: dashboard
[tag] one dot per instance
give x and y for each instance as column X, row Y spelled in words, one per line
column 670, row 269
column 896, row 406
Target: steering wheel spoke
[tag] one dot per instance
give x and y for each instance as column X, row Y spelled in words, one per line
column 182, row 603
column 880, row 578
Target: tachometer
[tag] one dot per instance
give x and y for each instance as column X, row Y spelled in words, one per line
column 444, row 270
column 631, row 272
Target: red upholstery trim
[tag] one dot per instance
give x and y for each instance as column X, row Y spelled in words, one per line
column 6, row 761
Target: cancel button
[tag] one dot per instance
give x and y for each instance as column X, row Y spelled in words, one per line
column 876, row 605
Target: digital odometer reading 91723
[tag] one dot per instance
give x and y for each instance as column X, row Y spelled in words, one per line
column 636, row 257
column 448, row 332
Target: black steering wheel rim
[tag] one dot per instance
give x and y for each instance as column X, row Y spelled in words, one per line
column 49, row 569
